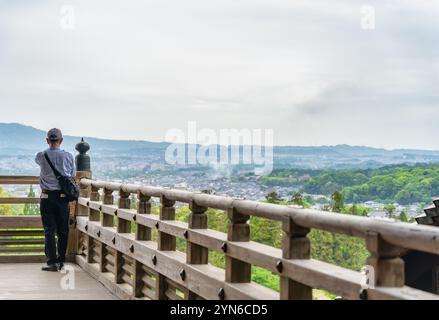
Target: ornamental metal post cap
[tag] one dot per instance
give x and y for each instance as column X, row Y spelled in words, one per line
column 82, row 159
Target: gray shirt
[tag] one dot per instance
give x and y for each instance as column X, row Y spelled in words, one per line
column 63, row 162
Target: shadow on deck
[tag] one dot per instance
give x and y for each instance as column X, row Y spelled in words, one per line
column 22, row 281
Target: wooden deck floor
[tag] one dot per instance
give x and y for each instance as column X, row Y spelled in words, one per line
column 27, row 281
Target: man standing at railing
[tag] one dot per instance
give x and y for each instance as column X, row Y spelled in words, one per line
column 54, row 205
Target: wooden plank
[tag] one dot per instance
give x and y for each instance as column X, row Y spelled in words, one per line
column 404, row 293
column 27, row 233
column 127, row 279
column 148, row 292
column 16, row 180
column 26, row 281
column 17, row 222
column 171, row 294
column 21, row 241
column 21, row 249
column 149, row 281
column 23, row 258
column 19, row 200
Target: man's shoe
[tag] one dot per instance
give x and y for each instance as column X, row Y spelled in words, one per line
column 60, row 266
column 50, row 267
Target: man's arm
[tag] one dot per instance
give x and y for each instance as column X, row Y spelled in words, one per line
column 73, row 165
column 38, row 158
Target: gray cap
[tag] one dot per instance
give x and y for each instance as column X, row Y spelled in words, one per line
column 54, row 134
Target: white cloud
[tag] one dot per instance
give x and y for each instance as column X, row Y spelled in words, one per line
column 304, row 68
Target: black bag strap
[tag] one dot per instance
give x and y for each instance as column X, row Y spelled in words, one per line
column 56, row 172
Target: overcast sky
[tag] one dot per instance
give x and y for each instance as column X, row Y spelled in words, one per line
column 306, row 69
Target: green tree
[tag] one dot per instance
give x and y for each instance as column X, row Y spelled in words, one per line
column 389, row 209
column 273, row 197
column 31, row 208
column 5, row 209
column 297, row 198
column 337, row 202
column 403, row 216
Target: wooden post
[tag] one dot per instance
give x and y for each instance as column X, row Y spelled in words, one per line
column 195, row 253
column 166, row 242
column 94, row 215
column 237, row 271
column 107, row 219
column 124, row 226
column 161, row 286
column 296, row 245
column 102, row 253
column 388, row 267
column 82, row 171
column 144, row 207
column 89, row 248
column 137, row 279
column 118, row 263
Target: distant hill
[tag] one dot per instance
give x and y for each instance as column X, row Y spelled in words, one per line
column 18, row 139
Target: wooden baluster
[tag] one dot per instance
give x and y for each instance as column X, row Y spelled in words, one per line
column 161, row 285
column 296, row 245
column 94, row 215
column 143, row 233
column 84, row 192
column 82, row 163
column 388, row 267
column 118, row 263
column 89, row 252
column 196, row 254
column 124, row 226
column 144, row 207
column 102, row 253
column 107, row 219
column 237, row 271
column 137, row 279
column 166, row 242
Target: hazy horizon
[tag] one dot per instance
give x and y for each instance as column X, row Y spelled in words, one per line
column 146, row 140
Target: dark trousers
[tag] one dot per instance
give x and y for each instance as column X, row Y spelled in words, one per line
column 55, row 216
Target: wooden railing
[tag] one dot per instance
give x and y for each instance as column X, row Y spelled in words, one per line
column 21, row 237
column 133, row 265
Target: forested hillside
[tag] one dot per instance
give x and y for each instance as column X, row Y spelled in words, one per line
column 404, row 184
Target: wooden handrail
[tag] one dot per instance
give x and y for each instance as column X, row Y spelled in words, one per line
column 386, row 242
column 33, row 180
column 404, row 235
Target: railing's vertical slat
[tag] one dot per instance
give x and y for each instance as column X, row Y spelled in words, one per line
column 237, row 271
column 107, row 219
column 138, row 284
column 388, row 267
column 296, row 245
column 94, row 215
column 144, row 207
column 196, row 254
column 166, row 242
column 124, row 226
